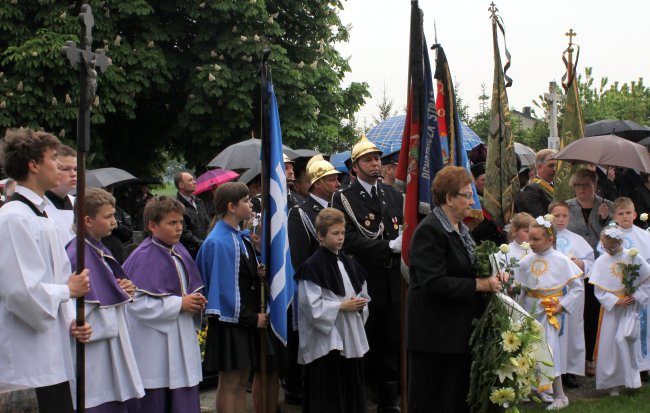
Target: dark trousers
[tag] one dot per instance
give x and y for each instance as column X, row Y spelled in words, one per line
column 293, row 377
column 382, row 331
column 55, row 399
column 334, row 384
column 438, row 382
column 591, row 314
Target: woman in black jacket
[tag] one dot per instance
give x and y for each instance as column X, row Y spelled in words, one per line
column 444, row 297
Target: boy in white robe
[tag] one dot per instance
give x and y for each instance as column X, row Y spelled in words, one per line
column 572, row 333
column 166, row 313
column 634, row 237
column 332, row 310
column 35, row 277
column 544, row 277
column 617, row 348
column 112, row 377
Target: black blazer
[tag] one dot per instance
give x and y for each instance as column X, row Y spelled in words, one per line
column 302, row 242
column 442, row 301
column 533, row 199
column 374, row 255
column 195, row 224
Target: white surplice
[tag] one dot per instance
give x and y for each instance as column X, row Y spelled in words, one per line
column 111, row 369
column 322, row 327
column 34, row 268
column 572, row 333
column 545, row 274
column 164, row 341
column 63, row 219
column 619, row 359
column 633, row 237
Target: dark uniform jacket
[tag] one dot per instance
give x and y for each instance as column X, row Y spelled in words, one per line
column 533, row 199
column 442, row 298
column 303, row 241
column 374, row 255
column 195, row 224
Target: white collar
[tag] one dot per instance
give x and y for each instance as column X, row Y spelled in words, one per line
column 39, row 202
column 367, row 186
column 189, row 199
column 320, row 200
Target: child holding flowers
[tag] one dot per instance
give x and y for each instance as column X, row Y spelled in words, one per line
column 550, row 287
column 518, row 236
column 620, row 280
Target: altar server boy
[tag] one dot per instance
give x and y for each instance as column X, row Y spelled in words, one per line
column 619, row 346
column 166, row 313
column 112, row 376
column 35, row 279
column 332, row 310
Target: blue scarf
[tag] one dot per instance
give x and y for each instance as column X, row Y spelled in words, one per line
column 218, row 261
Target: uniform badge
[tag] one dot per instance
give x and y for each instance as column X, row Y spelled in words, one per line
column 367, row 223
column 371, row 216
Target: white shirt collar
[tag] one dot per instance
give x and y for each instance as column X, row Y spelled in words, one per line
column 187, row 198
column 367, row 186
column 320, row 200
column 39, row 202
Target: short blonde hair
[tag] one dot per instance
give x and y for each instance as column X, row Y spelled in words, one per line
column 326, row 218
column 622, row 202
column 95, row 199
column 584, row 173
column 519, row 221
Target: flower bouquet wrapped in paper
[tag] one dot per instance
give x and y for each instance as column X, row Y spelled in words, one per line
column 510, row 356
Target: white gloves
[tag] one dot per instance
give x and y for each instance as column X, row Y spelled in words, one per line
column 396, row 244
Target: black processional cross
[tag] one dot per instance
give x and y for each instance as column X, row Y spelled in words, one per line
column 89, row 63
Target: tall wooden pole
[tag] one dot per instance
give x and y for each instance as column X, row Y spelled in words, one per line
column 89, row 62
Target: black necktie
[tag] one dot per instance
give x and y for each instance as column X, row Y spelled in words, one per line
column 373, row 193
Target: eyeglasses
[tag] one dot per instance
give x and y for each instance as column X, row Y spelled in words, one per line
column 466, row 195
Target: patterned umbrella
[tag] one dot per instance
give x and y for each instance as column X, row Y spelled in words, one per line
column 213, row 179
column 387, row 135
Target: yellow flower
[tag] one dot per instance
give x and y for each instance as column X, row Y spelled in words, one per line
column 633, row 252
column 525, row 246
column 523, row 364
column 549, row 217
column 644, row 217
column 511, row 342
column 502, row 396
column 504, row 248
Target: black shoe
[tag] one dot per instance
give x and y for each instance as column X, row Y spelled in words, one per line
column 569, row 380
column 645, row 376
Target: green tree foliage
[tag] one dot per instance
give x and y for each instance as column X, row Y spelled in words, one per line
column 602, row 100
column 480, row 123
column 183, row 75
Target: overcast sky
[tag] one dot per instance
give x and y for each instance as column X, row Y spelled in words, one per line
column 613, row 36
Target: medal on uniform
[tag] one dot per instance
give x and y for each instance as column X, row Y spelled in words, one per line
column 367, row 223
column 395, row 223
column 371, row 216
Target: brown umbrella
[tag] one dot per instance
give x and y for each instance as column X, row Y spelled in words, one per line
column 607, row 150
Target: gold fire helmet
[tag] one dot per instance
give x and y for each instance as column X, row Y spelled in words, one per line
column 318, row 167
column 364, row 146
column 286, row 159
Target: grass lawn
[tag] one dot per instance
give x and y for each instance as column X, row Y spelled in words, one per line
column 637, row 401
column 167, row 189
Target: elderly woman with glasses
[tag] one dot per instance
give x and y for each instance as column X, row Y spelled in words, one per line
column 443, row 299
column 588, row 215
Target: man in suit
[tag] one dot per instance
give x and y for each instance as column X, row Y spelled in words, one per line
column 323, row 181
column 535, row 197
column 195, row 217
column 373, row 214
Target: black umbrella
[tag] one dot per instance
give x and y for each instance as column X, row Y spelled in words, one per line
column 627, row 129
column 243, row 155
column 103, row 177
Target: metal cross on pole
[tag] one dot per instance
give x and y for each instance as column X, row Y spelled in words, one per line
column 89, row 62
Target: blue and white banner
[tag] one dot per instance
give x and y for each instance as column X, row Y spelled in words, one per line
column 279, row 271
